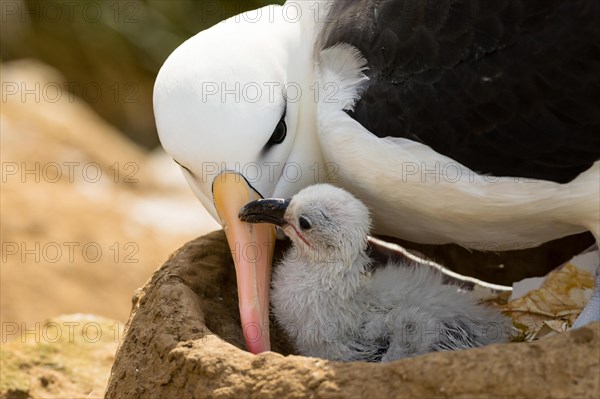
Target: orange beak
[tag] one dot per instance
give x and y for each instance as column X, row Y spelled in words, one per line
column 252, row 250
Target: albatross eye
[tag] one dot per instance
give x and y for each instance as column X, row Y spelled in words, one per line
column 279, row 133
column 304, row 223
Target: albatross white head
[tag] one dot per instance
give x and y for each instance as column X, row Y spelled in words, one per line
column 233, row 108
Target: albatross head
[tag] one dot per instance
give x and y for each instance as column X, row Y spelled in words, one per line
column 233, row 108
column 327, row 224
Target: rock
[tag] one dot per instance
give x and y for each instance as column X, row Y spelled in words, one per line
column 66, row 357
column 183, row 340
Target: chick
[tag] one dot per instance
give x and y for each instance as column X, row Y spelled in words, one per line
column 335, row 303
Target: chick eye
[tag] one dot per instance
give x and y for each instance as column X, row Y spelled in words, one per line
column 279, row 133
column 304, row 223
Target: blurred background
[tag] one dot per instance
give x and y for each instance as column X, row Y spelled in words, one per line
column 90, row 206
column 112, row 47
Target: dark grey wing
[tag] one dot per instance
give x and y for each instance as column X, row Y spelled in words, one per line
column 505, row 87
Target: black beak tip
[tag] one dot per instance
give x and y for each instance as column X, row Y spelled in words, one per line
column 270, row 210
column 246, row 211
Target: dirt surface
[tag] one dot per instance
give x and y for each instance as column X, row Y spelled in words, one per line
column 67, row 357
column 183, row 340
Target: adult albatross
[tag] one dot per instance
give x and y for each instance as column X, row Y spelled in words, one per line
column 473, row 122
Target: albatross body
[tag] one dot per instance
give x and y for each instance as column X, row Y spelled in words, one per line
column 470, row 122
column 333, row 306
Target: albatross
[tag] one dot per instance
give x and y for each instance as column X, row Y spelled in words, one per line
column 337, row 303
column 468, row 122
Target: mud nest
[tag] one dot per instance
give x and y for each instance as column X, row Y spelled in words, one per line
column 184, row 340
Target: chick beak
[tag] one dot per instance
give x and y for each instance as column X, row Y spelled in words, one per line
column 270, row 210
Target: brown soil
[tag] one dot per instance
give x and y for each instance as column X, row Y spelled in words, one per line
column 67, row 357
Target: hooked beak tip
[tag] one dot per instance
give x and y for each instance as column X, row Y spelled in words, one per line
column 270, row 210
